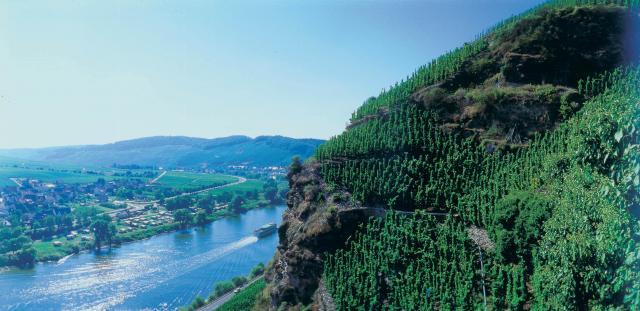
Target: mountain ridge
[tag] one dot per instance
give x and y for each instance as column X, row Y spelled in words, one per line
column 177, row 151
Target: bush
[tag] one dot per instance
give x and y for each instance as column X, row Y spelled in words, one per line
column 257, row 270
column 195, row 305
column 239, row 281
column 518, row 224
column 221, row 288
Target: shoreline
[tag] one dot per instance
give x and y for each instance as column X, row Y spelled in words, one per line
column 142, row 238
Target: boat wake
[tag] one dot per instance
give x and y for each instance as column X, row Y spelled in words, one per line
column 113, row 281
column 64, row 259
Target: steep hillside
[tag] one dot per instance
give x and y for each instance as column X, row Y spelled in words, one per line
column 503, row 175
column 177, row 151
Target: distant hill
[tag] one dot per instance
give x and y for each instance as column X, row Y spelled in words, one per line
column 177, row 151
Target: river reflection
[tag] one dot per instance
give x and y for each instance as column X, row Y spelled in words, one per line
column 166, row 271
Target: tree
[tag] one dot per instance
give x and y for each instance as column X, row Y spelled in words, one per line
column 67, row 221
column 236, row 204
column 294, row 168
column 178, row 203
column 257, row 270
column 84, row 214
column 222, row 288
column 270, row 189
column 50, row 223
column 239, row 281
column 183, row 217
column 206, row 203
column 124, row 193
column 103, row 230
column 225, row 197
column 26, row 256
column 201, row 218
column 282, row 194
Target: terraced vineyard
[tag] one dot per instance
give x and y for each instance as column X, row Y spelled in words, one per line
column 536, row 171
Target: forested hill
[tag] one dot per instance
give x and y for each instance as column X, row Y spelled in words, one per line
column 178, row 151
column 502, row 175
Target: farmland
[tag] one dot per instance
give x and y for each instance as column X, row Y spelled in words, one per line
column 181, row 181
column 47, row 175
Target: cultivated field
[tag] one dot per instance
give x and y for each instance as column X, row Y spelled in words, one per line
column 188, row 180
column 47, row 175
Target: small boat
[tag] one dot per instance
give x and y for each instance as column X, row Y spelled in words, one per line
column 265, row 230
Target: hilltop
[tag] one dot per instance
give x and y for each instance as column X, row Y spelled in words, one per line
column 178, row 151
column 502, row 175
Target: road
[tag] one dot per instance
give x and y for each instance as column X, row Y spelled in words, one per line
column 140, row 204
column 159, row 176
column 224, row 298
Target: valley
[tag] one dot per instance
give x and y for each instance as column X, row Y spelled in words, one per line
column 58, row 207
column 503, row 173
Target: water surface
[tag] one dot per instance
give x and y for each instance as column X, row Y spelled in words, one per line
column 164, row 272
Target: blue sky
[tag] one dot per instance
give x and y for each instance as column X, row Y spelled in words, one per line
column 92, row 71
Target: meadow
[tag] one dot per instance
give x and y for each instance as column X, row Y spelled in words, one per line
column 47, row 175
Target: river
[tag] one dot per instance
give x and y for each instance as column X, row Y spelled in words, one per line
column 161, row 273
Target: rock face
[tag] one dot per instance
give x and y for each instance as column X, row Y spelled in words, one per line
column 524, row 83
column 318, row 221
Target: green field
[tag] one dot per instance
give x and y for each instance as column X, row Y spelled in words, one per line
column 52, row 172
column 47, row 175
column 46, row 251
column 188, row 180
column 241, row 189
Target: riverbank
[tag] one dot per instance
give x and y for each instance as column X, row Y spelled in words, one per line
column 168, row 269
column 46, row 251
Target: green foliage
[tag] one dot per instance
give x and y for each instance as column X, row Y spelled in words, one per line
column 411, row 262
column 270, row 190
column 295, row 167
column 257, row 270
column 404, row 161
column 518, row 221
column 238, row 281
column 183, row 217
column 221, row 288
column 236, row 204
column 189, row 181
column 195, row 305
column 16, row 248
column 103, row 230
column 180, row 202
column 245, row 299
column 560, row 211
column 448, row 64
column 200, row 218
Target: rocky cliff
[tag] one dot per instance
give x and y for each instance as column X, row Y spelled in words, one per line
column 524, row 83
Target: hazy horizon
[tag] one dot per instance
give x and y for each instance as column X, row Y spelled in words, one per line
column 143, row 137
column 92, row 72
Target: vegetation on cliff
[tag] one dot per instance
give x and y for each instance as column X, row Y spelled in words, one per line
column 510, row 168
